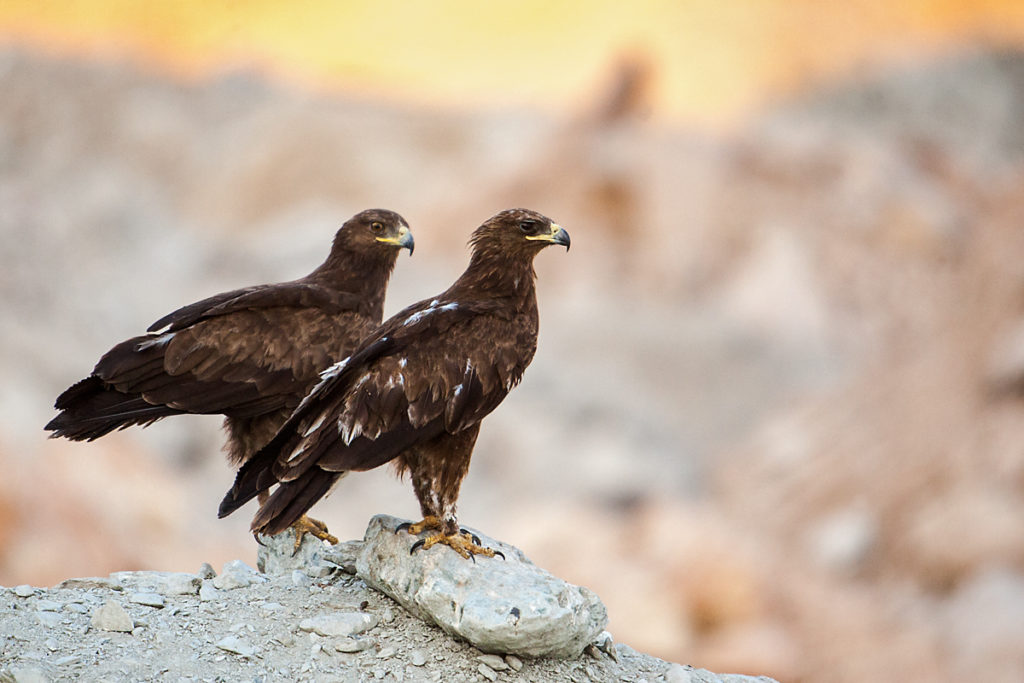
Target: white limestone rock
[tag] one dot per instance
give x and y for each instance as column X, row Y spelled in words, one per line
column 508, row 606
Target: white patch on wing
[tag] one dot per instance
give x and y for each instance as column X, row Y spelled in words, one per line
column 347, row 435
column 432, row 307
column 161, row 340
column 297, row 452
column 403, row 362
column 333, row 370
column 326, row 375
column 458, row 390
column 316, row 425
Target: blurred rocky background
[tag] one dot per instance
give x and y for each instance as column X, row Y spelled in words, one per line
column 775, row 420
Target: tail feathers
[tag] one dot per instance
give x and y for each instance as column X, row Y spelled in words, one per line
column 90, row 409
column 292, row 499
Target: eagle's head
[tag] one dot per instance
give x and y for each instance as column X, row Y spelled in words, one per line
column 517, row 233
column 375, row 230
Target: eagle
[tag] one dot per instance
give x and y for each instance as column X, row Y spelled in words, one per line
column 250, row 354
column 414, row 391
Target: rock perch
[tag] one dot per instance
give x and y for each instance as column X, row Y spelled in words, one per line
column 508, row 606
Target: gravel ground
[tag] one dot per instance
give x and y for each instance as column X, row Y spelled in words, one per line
column 245, row 626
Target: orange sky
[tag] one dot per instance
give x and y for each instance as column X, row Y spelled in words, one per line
column 713, row 60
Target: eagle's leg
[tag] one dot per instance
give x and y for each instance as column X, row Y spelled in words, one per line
column 303, row 525
column 462, row 542
column 314, row 527
column 437, row 469
column 428, row 522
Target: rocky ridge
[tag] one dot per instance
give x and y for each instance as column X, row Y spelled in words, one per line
column 311, row 618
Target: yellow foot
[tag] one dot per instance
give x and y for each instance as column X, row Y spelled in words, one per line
column 314, row 527
column 430, row 522
column 464, row 543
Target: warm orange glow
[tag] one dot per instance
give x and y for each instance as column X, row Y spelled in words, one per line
column 713, row 60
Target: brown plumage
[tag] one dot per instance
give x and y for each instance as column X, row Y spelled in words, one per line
column 250, row 354
column 415, row 390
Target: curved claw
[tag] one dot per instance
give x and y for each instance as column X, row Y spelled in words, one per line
column 498, row 553
column 467, row 532
column 402, row 527
column 416, row 546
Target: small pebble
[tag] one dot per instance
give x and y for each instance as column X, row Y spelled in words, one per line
column 148, row 599
column 180, row 583
column 76, row 607
column 379, row 674
column 386, row 652
column 24, row 591
column 299, row 578
column 514, row 662
column 417, row 658
column 206, row 571
column 112, row 617
column 487, row 672
column 68, row 659
column 237, row 646
column 493, row 661
column 343, row 624
column 51, row 645
column 48, row 619
column 48, row 606
column 208, row 592
column 353, row 644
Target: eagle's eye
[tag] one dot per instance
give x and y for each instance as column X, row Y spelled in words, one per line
column 376, row 226
column 528, row 225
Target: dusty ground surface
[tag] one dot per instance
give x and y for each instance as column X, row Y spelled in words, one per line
column 257, row 633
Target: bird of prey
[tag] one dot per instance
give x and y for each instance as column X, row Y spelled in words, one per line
column 250, row 354
column 414, row 391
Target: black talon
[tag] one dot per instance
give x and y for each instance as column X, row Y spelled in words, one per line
column 416, row 546
column 403, row 526
column 499, row 554
column 474, row 537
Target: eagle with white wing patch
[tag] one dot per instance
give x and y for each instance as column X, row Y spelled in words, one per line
column 249, row 354
column 414, row 391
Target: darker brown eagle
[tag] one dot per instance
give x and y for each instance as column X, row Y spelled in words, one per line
column 250, row 354
column 414, row 391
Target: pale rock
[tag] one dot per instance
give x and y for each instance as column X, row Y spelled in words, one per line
column 206, row 571
column 180, row 583
column 514, row 662
column 417, row 658
column 28, row 674
column 24, row 591
column 236, row 645
column 274, row 554
column 344, row 555
column 208, row 592
column 487, row 672
column 236, row 574
column 112, row 617
column 500, row 606
column 352, row 644
column 49, row 619
column 341, row 624
column 48, row 606
column 494, row 661
column 148, row 599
